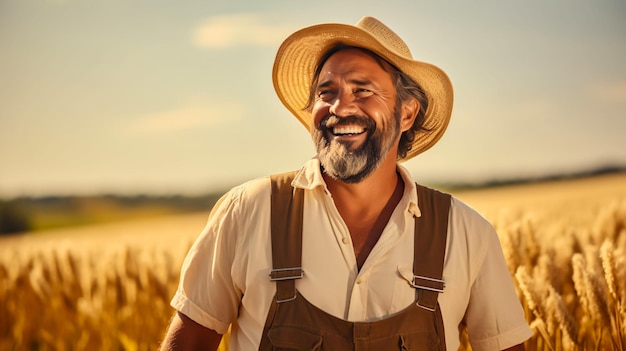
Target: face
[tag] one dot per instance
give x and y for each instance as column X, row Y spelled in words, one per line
column 356, row 124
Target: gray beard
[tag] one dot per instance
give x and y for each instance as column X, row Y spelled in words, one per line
column 341, row 162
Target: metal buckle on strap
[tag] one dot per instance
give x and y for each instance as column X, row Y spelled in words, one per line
column 427, row 283
column 286, row 273
column 426, row 307
column 286, row 300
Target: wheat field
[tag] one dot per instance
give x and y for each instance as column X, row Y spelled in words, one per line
column 107, row 287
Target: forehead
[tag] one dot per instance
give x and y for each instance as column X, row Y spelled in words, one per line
column 353, row 62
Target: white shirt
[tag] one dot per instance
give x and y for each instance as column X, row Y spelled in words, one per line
column 225, row 276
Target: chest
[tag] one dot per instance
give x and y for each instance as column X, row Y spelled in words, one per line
column 376, row 289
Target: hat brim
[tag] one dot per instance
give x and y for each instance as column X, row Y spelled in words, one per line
column 300, row 52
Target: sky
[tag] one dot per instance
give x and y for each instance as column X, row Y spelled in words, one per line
column 163, row 97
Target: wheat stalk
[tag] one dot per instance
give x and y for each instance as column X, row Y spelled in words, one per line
column 569, row 269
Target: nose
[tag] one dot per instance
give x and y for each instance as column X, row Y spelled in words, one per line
column 343, row 105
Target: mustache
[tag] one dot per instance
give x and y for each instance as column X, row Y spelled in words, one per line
column 332, row 120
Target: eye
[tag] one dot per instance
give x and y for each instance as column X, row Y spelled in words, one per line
column 362, row 92
column 325, row 94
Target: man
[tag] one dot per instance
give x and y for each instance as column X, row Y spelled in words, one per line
column 373, row 274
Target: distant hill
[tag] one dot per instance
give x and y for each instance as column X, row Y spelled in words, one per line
column 40, row 213
column 593, row 172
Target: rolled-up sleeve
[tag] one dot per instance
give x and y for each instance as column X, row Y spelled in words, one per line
column 495, row 318
column 206, row 292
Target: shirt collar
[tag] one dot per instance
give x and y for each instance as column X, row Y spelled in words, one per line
column 409, row 198
column 310, row 177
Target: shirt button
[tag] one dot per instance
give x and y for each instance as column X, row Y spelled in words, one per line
column 344, row 240
column 358, row 281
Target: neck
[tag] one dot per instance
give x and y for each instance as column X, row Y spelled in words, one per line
column 366, row 207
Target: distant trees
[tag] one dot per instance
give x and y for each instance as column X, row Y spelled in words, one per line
column 13, row 217
column 49, row 212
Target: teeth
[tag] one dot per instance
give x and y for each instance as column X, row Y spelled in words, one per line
column 342, row 130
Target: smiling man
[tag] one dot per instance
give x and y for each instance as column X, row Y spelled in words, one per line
column 353, row 85
column 348, row 253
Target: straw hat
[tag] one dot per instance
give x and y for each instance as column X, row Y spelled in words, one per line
column 300, row 52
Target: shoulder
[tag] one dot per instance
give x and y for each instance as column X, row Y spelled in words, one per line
column 251, row 193
column 471, row 234
column 239, row 207
column 464, row 214
column 250, row 199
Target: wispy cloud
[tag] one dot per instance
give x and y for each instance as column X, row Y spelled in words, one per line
column 535, row 109
column 234, row 30
column 197, row 113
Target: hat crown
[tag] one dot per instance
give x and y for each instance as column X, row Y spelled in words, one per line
column 385, row 36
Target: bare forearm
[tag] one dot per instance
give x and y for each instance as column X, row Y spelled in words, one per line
column 185, row 335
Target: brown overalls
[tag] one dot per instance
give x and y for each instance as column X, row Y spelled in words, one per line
column 293, row 323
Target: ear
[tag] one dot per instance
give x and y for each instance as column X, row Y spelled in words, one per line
column 409, row 113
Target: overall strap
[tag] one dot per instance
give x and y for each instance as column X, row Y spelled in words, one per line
column 286, row 224
column 431, row 231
